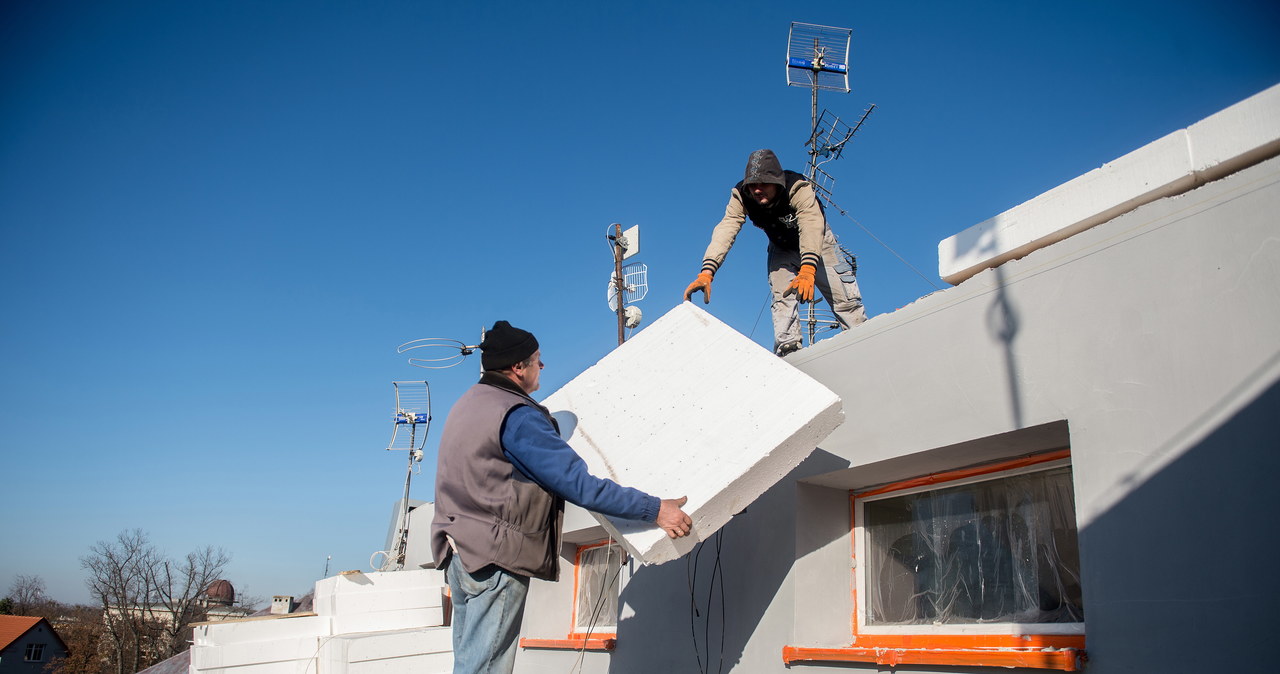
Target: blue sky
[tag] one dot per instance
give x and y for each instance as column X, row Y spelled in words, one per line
column 218, row 219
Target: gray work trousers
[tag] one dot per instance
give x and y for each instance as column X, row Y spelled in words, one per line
column 834, row 280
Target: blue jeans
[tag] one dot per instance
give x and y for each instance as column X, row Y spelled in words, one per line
column 487, row 609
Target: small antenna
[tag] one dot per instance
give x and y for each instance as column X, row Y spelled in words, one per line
column 445, row 352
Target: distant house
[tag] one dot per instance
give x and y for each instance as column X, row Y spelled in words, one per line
column 27, row 644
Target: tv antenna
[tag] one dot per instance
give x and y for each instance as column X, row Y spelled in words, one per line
column 629, row 283
column 818, row 58
column 443, row 352
column 410, row 421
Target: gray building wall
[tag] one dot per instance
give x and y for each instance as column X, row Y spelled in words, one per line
column 1150, row 345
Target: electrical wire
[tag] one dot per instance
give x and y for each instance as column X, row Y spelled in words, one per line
column 717, row 574
column 882, row 243
column 767, row 300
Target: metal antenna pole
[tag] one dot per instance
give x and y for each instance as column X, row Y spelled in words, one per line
column 813, row 109
column 620, row 283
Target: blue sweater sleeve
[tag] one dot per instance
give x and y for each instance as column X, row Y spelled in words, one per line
column 532, row 445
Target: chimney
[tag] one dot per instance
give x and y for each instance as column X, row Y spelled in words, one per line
column 282, row 605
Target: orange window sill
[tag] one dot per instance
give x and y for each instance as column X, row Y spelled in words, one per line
column 1061, row 653
column 575, row 642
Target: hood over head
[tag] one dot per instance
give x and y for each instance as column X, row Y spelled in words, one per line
column 763, row 167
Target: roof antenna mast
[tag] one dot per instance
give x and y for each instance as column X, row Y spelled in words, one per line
column 818, row 58
column 410, row 421
column 629, row 283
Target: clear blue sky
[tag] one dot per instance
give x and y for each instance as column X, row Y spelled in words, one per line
column 218, row 219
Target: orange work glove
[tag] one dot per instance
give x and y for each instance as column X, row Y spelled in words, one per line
column 802, row 284
column 703, row 283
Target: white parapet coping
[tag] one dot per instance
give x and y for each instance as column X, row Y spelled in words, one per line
column 1239, row 136
column 690, row 407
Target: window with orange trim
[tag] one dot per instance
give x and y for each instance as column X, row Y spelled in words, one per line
column 989, row 554
column 595, row 588
column 979, row 566
column 597, row 571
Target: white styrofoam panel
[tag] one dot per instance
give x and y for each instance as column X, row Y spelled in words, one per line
column 205, row 658
column 264, row 629
column 376, row 621
column 383, row 590
column 399, row 643
column 414, row 650
column 287, row 667
column 690, row 407
column 424, row 596
column 420, row 663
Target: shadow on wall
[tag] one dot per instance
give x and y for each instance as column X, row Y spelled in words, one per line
column 684, row 622
column 1002, row 322
column 1178, row 575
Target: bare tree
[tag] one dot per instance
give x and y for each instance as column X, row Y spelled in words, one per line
column 178, row 588
column 148, row 601
column 29, row 598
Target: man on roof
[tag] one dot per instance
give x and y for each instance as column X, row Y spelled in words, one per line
column 803, row 251
column 502, row 478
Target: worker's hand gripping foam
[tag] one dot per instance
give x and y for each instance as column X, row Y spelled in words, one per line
column 703, row 283
column 802, row 284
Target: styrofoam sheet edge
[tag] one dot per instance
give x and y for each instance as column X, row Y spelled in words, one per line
column 653, row 546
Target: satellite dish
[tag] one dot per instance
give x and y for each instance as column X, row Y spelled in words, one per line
column 635, row 277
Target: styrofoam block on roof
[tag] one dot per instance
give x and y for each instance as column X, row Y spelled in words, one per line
column 1160, row 168
column 255, row 653
column 414, row 650
column 1227, row 140
column 376, row 621
column 386, row 590
column 266, row 629
column 690, row 407
column 421, row 663
column 385, row 600
column 287, row 667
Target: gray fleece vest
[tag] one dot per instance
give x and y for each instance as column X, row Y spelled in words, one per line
column 493, row 513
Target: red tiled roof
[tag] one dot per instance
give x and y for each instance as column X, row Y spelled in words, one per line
column 12, row 627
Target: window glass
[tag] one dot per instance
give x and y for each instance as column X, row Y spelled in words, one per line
column 34, row 653
column 1003, row 550
column 597, row 600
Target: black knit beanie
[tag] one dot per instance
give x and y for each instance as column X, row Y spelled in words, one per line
column 763, row 167
column 505, row 345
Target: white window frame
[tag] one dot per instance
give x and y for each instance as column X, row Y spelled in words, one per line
column 861, row 553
